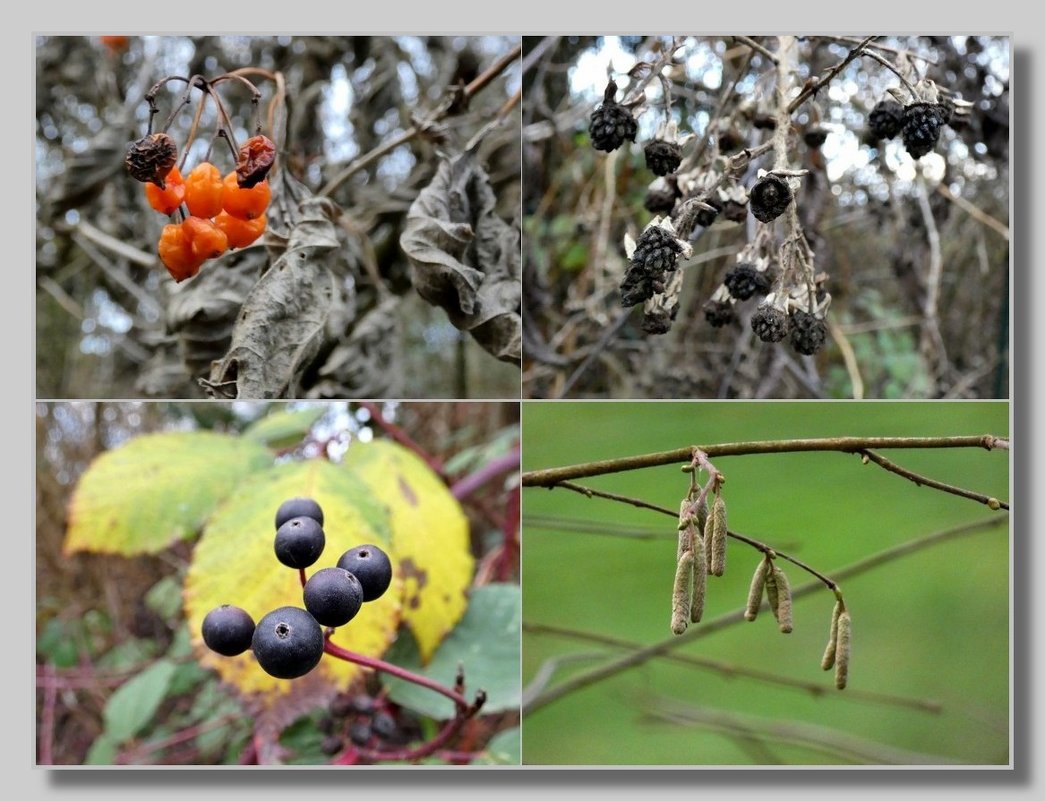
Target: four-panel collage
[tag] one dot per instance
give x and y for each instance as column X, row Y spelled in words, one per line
column 499, row 402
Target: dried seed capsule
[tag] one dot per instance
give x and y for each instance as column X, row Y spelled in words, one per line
column 806, row 332
column 828, row 661
column 700, row 579
column 717, row 541
column 656, row 253
column 921, row 127
column 745, row 281
column 611, row 124
column 842, row 650
column 886, row 119
column 682, row 593
column 783, row 604
column 770, row 195
column 769, row 323
column 719, row 313
column 663, row 157
column 151, row 158
column 758, row 585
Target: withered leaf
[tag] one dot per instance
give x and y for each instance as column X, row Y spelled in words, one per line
column 464, row 258
column 280, row 327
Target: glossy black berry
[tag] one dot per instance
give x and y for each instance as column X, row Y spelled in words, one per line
column 298, row 507
column 288, row 642
column 745, row 281
column 663, row 157
column 333, row 596
column 886, row 119
column 227, row 630
column 719, row 313
column 921, row 127
column 299, row 542
column 770, row 195
column 807, row 332
column 611, row 124
column 371, row 566
column 769, row 323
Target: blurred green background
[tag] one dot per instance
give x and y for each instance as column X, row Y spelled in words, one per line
column 931, row 627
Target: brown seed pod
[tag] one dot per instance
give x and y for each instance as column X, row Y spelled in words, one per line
column 783, row 605
column 150, row 158
column 717, row 541
column 758, row 585
column 828, row 661
column 256, row 157
column 700, row 579
column 682, row 593
column 842, row 650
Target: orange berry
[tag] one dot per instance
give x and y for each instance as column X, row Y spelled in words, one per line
column 175, row 251
column 165, row 201
column 116, row 44
column 240, row 232
column 206, row 239
column 203, row 190
column 245, row 203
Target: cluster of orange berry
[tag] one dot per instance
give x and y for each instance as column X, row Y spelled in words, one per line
column 223, row 213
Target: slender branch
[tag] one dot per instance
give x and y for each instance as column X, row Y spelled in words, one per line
column 816, row 84
column 556, row 475
column 920, row 480
column 974, row 211
column 751, row 43
column 643, row 655
column 849, row 357
column 731, row 670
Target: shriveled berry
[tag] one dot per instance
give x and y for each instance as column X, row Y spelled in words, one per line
column 655, row 253
column 333, row 596
column 886, row 119
column 807, row 332
column 921, row 127
column 770, row 195
column 288, row 642
column 769, row 323
column 240, row 233
column 611, row 124
column 299, row 542
column 706, row 217
column 371, row 566
column 719, row 313
column 167, row 199
column 247, row 204
column 203, row 190
column 150, row 158
column 663, row 157
column 256, row 157
column 175, row 251
column 298, row 507
column 207, row 240
column 745, row 281
column 228, row 630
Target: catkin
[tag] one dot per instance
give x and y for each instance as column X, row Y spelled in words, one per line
column 783, row 592
column 771, row 589
column 828, row 661
column 700, row 580
column 717, row 541
column 682, row 595
column 754, row 595
column 685, row 522
column 842, row 650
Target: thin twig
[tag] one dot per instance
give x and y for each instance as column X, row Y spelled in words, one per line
column 931, row 336
column 921, row 480
column 849, row 357
column 607, row 336
column 815, row 84
column 746, row 40
column 974, row 211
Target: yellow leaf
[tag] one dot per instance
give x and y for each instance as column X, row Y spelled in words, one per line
column 235, row 563
column 157, row 489
column 429, row 535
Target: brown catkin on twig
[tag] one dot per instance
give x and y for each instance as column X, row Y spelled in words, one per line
column 771, row 589
column 717, row 540
column 682, row 594
column 754, row 595
column 783, row 592
column 700, row 580
column 828, row 661
column 685, row 524
column 842, row 650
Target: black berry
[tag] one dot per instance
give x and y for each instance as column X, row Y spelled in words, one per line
column 707, row 216
column 227, row 630
column 886, row 119
column 384, row 726
column 299, row 542
column 770, row 195
column 333, row 596
column 611, row 124
column 807, row 332
column 298, row 507
column 745, row 281
column 719, row 312
column 769, row 323
column 371, row 566
column 660, row 197
column 288, row 642
column 663, row 157
column 359, row 733
column 656, row 252
column 921, row 127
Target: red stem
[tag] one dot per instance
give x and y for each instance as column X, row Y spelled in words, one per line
column 509, row 555
column 47, row 717
column 495, row 467
column 425, row 749
column 404, row 439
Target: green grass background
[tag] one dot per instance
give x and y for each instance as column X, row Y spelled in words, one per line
column 934, row 625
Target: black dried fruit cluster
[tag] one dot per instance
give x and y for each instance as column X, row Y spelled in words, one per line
column 663, row 157
column 745, row 281
column 719, row 313
column 806, row 332
column 769, row 323
column 921, row 127
column 770, row 196
column 611, row 124
column 886, row 119
column 656, row 253
column 366, row 721
column 288, row 642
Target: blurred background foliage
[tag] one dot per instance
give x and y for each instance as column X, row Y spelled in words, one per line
column 930, row 628
column 117, row 680
column 859, row 207
column 107, row 321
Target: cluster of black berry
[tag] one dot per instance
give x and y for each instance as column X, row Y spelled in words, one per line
column 919, row 121
column 777, row 318
column 366, row 721
column 288, row 642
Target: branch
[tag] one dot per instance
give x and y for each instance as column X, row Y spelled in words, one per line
column 920, row 480
column 495, row 467
column 816, row 84
column 556, row 475
column 724, row 621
